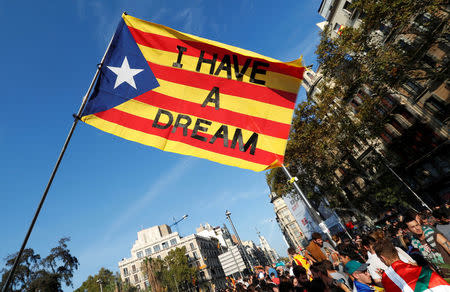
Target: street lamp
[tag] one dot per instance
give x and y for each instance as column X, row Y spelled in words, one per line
column 228, row 214
column 100, row 282
column 176, row 222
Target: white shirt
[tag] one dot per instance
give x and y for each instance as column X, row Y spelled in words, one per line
column 375, row 263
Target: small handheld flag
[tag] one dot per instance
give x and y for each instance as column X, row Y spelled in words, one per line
column 193, row 96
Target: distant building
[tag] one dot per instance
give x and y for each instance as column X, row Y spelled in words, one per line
column 256, row 254
column 157, row 241
column 269, row 252
column 222, row 234
column 290, row 228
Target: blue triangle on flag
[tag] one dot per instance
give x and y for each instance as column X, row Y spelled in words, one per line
column 110, row 92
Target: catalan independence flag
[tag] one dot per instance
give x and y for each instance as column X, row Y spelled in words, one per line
column 189, row 95
column 403, row 277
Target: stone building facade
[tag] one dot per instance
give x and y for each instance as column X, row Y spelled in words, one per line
column 157, row 241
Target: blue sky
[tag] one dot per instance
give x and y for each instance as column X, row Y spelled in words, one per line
column 108, row 188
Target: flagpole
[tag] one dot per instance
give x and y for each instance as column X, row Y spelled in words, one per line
column 310, row 208
column 55, row 169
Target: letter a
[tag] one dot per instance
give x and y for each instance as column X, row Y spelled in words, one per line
column 215, row 100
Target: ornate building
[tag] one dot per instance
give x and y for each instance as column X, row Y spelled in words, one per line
column 157, row 241
column 290, row 228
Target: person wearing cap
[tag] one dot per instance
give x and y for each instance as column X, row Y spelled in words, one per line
column 362, row 279
column 279, row 267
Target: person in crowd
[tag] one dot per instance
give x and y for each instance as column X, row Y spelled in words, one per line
column 297, row 259
column 274, row 279
column 322, row 280
column 280, row 268
column 374, row 262
column 347, row 252
column 285, row 284
column 362, row 281
column 336, row 239
column 401, row 276
column 270, row 270
column 410, row 213
column 442, row 222
column 335, row 275
column 432, row 244
column 302, row 278
column 397, row 235
column 318, row 250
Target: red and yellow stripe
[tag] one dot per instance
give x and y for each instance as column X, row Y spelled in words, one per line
column 254, row 108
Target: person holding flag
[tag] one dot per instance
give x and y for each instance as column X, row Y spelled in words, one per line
column 401, row 276
column 297, row 259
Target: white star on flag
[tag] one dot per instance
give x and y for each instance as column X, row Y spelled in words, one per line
column 125, row 74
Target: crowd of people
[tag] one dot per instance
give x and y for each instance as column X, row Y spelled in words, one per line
column 410, row 252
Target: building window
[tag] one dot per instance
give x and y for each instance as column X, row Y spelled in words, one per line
column 192, row 245
column 412, row 87
column 336, row 27
column 437, row 108
column 156, row 248
column 386, row 137
column 140, row 254
column 429, row 61
column 165, row 245
column 405, row 45
column 148, row 251
column 194, row 254
column 133, row 268
column 136, row 278
column 306, row 82
column 159, row 257
column 127, row 280
column 173, row 241
column 347, row 7
column 125, row 272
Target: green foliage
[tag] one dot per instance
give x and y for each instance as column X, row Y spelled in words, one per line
column 324, row 136
column 107, row 278
column 170, row 273
column 34, row 273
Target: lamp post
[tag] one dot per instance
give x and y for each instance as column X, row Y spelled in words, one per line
column 228, row 214
column 176, row 222
column 100, row 282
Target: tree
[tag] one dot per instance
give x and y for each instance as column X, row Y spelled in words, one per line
column 34, row 273
column 325, row 133
column 172, row 273
column 107, row 278
column 153, row 269
column 178, row 269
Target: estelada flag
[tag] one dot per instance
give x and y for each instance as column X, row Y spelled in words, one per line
column 402, row 277
column 186, row 94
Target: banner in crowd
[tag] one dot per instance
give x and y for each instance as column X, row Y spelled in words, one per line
column 306, row 221
column 193, row 96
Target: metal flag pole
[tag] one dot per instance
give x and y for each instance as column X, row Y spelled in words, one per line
column 310, row 208
column 383, row 159
column 55, row 169
column 407, row 186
